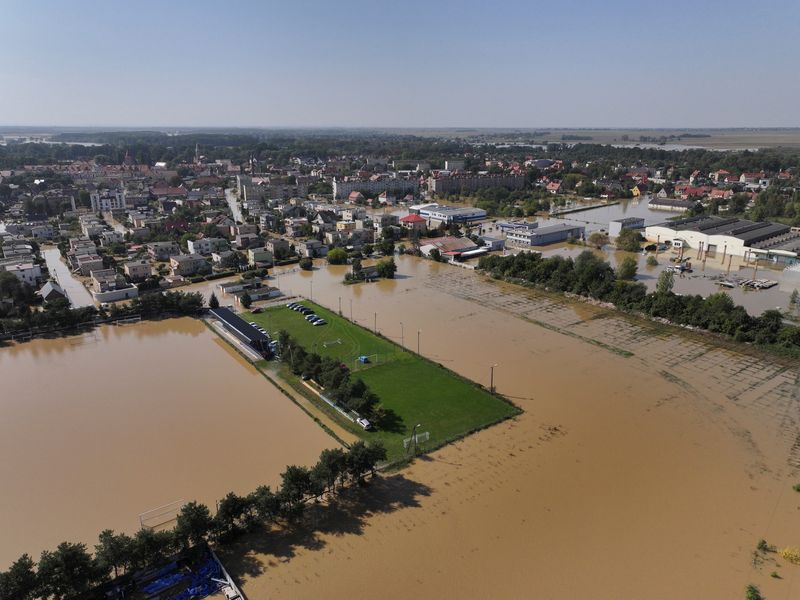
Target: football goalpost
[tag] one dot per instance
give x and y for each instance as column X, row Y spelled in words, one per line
column 365, row 359
column 160, row 516
column 413, row 442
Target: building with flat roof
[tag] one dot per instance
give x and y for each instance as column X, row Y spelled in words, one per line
column 342, row 188
column 738, row 237
column 241, row 329
column 617, row 225
column 543, row 236
column 448, row 214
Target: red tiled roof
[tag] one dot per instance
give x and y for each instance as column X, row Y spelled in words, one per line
column 412, row 219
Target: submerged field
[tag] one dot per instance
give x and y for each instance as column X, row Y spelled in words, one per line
column 417, row 390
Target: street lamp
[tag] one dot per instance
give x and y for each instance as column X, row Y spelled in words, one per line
column 414, row 436
column 491, row 378
column 418, row 332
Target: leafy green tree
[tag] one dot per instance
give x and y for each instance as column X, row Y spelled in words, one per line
column 752, row 593
column 629, row 240
column 231, row 514
column 113, row 552
column 212, row 301
column 67, row 571
column 193, row 524
column 386, row 247
column 652, row 261
column 337, row 256
column 151, row 547
column 331, row 466
column 627, row 269
column 20, row 582
column 363, row 458
column 266, row 503
column 598, row 239
column 387, row 268
column 246, row 299
column 306, row 263
column 295, row 484
column 666, row 280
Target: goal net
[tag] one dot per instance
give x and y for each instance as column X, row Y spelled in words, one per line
column 416, row 440
column 161, row 516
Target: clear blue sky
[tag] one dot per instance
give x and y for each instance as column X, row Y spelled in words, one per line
column 560, row 63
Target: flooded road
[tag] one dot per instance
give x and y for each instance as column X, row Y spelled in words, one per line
column 648, row 464
column 96, row 429
column 77, row 294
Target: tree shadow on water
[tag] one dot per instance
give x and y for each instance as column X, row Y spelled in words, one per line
column 340, row 515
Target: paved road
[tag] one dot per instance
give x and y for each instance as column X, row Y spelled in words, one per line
column 77, row 294
column 233, row 203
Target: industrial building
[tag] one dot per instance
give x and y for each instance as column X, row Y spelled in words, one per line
column 447, row 214
column 241, row 329
column 731, row 236
column 617, row 225
column 542, row 236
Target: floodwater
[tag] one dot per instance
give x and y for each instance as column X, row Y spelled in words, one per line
column 648, row 463
column 98, row 428
column 77, row 294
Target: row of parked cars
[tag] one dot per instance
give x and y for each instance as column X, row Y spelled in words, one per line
column 273, row 344
column 308, row 313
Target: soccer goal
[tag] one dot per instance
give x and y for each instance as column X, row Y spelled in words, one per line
column 364, row 360
column 332, row 343
column 416, row 440
column 159, row 517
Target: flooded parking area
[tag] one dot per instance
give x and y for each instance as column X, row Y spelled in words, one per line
column 98, row 428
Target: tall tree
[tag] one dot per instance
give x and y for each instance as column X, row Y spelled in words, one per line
column 20, row 582
column 113, row 552
column 68, row 571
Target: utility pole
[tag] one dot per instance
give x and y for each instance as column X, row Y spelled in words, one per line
column 340, row 306
column 402, row 335
column 311, row 285
column 375, row 325
column 351, row 309
column 418, row 332
column 491, row 378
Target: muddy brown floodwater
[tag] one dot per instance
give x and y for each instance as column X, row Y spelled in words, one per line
column 648, row 463
column 96, row 429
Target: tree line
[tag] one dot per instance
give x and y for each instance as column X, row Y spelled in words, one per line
column 590, row 276
column 16, row 314
column 72, row 570
column 345, row 391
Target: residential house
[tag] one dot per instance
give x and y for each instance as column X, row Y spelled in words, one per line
column 27, row 272
column 278, row 247
column 51, row 292
column 109, row 286
column 413, row 222
column 162, row 251
column 259, row 257
column 138, row 270
column 86, row 263
column 312, row 249
column 185, row 265
column 207, row 245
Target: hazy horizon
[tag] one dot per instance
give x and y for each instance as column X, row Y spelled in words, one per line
column 354, row 64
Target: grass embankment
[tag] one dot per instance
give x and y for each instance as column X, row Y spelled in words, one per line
column 415, row 389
